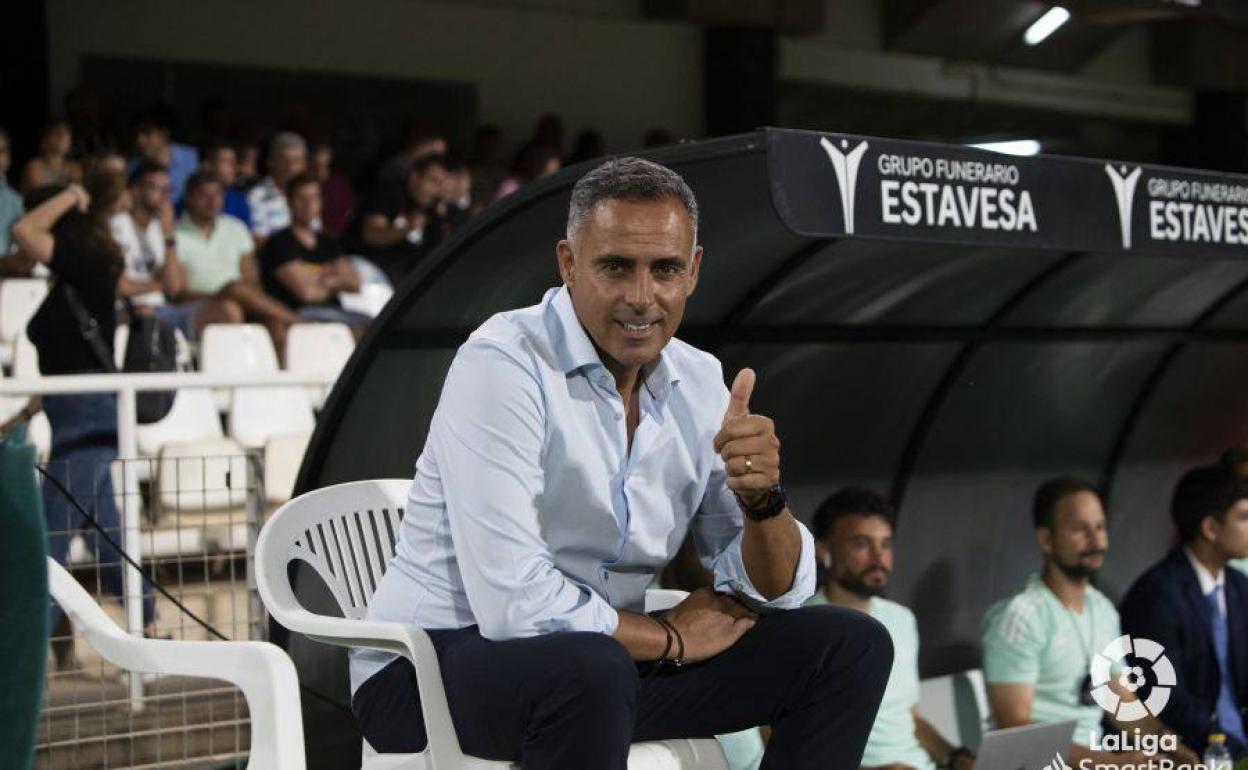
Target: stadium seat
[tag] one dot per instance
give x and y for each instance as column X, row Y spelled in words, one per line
column 202, row 488
column 264, row 413
column 321, row 349
column 957, row 706
column 282, row 457
column 236, row 349
column 261, row 670
column 192, row 420
column 25, row 358
column 319, row 528
column 120, row 337
column 19, row 299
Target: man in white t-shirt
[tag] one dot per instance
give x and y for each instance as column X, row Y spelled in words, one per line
column 153, row 275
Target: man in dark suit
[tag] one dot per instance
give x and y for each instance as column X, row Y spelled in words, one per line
column 1198, row 610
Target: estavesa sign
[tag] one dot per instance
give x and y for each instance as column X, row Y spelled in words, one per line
column 833, row 185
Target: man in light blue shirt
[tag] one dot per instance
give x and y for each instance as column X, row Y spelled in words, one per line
column 10, row 201
column 575, row 444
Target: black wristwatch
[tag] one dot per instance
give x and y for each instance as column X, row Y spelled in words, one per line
column 772, row 506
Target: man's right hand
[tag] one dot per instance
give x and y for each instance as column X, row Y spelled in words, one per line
column 709, row 623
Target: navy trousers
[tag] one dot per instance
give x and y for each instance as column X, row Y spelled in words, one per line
column 577, row 700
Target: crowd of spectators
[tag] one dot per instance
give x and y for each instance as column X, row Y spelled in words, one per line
column 262, row 227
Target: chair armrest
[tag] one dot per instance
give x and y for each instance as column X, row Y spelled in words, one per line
column 412, row 643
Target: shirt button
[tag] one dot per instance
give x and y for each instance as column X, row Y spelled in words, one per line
column 619, row 416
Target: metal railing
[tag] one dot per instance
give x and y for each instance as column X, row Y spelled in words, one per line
column 126, row 386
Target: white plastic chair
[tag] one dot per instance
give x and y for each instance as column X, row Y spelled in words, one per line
column 321, row 349
column 25, row 358
column 347, row 534
column 957, row 706
column 235, row 349
column 261, row 670
column 262, row 414
column 19, row 299
column 282, row 457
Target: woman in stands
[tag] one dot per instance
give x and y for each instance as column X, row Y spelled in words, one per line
column 66, row 228
column 52, row 166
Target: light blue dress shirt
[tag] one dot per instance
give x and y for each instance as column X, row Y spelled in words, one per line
column 530, row 515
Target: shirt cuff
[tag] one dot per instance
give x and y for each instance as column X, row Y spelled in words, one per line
column 731, row 575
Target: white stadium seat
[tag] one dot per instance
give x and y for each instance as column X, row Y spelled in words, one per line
column 25, row 358
column 19, row 299
column 261, row 414
column 282, row 457
column 236, row 349
column 318, row 348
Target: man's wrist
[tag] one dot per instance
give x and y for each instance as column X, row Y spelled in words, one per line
column 951, row 759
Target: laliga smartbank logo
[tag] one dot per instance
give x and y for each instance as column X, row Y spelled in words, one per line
column 1112, row 679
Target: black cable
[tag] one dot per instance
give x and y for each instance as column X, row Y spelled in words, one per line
column 165, row 592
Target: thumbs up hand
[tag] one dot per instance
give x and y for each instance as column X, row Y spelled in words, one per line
column 748, row 445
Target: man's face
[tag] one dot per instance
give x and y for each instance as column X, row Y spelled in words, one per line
column 305, row 204
column 223, row 164
column 206, row 201
column 861, row 547
column 630, row 269
column 323, row 162
column 1230, row 535
column 151, row 192
column 426, row 188
column 6, row 158
column 289, row 163
column 1079, row 539
column 151, row 141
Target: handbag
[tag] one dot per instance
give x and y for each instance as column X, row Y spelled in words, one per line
column 152, row 347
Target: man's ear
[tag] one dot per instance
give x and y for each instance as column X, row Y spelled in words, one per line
column 563, row 253
column 1044, row 539
column 694, row 267
column 823, row 554
column 1210, row 528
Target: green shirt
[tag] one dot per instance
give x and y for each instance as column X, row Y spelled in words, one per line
column 1032, row 638
column 215, row 260
column 892, row 739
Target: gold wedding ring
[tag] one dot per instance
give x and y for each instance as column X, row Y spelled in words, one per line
column 749, row 464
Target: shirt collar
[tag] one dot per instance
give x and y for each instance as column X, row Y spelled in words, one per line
column 576, row 350
column 1208, row 581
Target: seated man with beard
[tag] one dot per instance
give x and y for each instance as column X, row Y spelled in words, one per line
column 1039, row 643
column 853, row 533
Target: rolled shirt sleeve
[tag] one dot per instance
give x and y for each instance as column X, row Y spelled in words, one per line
column 718, row 528
column 488, row 439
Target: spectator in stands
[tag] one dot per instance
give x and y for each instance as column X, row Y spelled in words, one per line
column 153, row 274
column 288, row 157
column 93, row 136
column 53, row 165
column 401, row 228
column 338, row 197
column 109, row 161
column 421, row 140
column 1038, row 645
column 66, row 228
column 853, row 532
column 219, row 158
column 305, row 268
column 533, row 161
column 10, row 201
column 247, row 154
column 549, row 133
column 1198, row 610
column 153, row 140
column 219, row 256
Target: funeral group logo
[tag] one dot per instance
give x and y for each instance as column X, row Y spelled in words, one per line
column 845, row 164
column 1131, row 680
column 1181, row 209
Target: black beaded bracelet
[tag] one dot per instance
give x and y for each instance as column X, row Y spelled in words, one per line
column 679, row 660
column 667, row 630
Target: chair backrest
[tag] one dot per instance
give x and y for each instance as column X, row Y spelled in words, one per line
column 957, row 706
column 237, row 349
column 346, row 533
column 318, row 348
column 19, row 299
column 25, row 358
column 193, row 417
column 263, row 413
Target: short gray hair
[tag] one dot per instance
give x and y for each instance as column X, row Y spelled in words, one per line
column 286, row 140
column 629, row 179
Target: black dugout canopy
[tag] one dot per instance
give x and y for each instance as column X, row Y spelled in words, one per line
column 948, row 325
